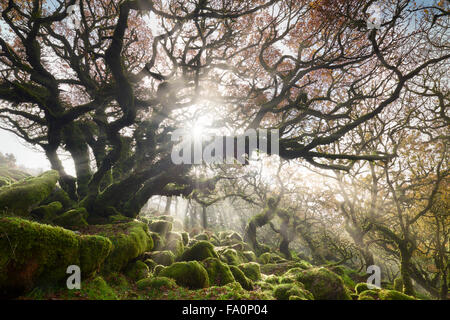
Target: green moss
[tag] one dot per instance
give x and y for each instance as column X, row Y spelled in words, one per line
column 150, row 264
column 21, row 197
column 361, row 287
column 97, row 289
column 219, row 273
column 185, row 236
column 199, row 251
column 187, row 274
column 231, row 257
column 251, row 270
column 165, row 258
column 137, row 270
column 158, row 242
column 129, row 240
column 284, row 291
column 250, row 256
column 93, row 252
column 240, row 277
column 273, row 279
column 158, row 269
column 270, row 257
column 161, row 227
column 369, row 295
column 157, row 283
column 202, row 236
column 32, row 253
column 115, row 218
column 61, row 196
column 324, row 284
column 47, row 212
column 393, row 295
column 74, row 218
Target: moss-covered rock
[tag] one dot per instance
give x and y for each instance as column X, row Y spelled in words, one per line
column 323, row 284
column 270, row 257
column 361, row 287
column 273, row 279
column 368, row 295
column 187, row 274
column 199, row 251
column 129, row 241
column 93, row 251
column 185, row 237
column 231, row 257
column 251, row 270
column 240, row 277
column 219, row 274
column 60, row 196
column 165, row 258
column 249, row 256
column 158, row 241
column 32, row 253
column 151, row 264
column 393, row 295
column 137, row 270
column 23, row 196
column 47, row 212
column 161, row 227
column 156, row 283
column 97, row 289
column 158, row 269
column 74, row 218
column 285, row 291
column 201, row 236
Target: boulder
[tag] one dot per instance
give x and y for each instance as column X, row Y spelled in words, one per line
column 23, row 196
column 199, row 251
column 251, row 270
column 190, row 274
column 323, row 284
column 219, row 273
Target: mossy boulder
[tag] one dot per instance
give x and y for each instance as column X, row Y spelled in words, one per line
column 185, row 237
column 240, row 277
column 93, row 251
column 23, row 196
column 165, row 258
column 231, row 257
column 97, row 289
column 158, row 241
column 174, row 243
column 129, row 241
column 74, row 218
column 270, row 257
column 189, row 274
column 219, row 274
column 393, row 295
column 285, row 291
column 161, row 227
column 151, row 264
column 60, row 196
column 158, row 269
column 368, row 295
column 156, row 283
column 361, row 287
column 47, row 212
column 250, row 256
column 137, row 270
column 251, row 270
column 201, row 236
column 199, row 251
column 32, row 253
column 272, row 279
column 323, row 284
